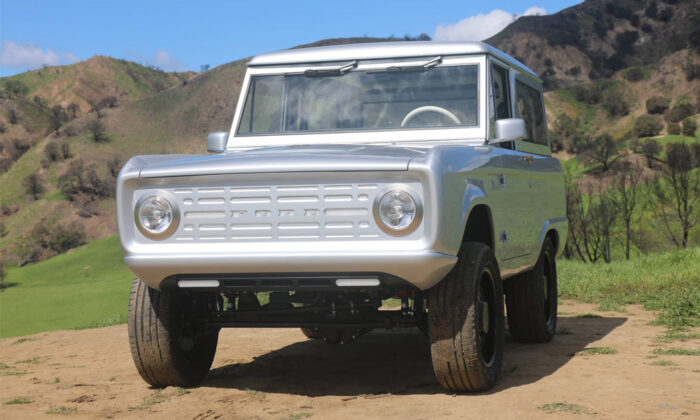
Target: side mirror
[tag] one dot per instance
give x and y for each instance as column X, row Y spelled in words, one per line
column 508, row 129
column 216, row 142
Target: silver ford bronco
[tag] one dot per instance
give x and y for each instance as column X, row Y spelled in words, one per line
column 352, row 174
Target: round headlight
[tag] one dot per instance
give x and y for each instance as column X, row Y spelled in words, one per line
column 397, row 212
column 156, row 217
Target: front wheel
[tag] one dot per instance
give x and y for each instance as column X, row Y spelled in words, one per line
column 466, row 322
column 168, row 346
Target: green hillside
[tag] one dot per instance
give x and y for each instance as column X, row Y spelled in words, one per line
column 86, row 287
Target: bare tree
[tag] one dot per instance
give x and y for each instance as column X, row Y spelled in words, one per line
column 675, row 196
column 626, row 200
column 581, row 240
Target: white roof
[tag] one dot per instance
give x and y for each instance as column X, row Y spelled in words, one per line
column 379, row 50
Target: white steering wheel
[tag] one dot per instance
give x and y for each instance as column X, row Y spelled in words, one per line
column 430, row 108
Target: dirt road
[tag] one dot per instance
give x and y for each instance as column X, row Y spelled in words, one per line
column 279, row 374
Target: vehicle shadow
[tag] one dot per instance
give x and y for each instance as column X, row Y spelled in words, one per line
column 396, row 362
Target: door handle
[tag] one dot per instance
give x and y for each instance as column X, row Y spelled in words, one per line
column 527, row 159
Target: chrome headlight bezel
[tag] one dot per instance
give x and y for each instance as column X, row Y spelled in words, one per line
column 174, row 223
column 418, row 214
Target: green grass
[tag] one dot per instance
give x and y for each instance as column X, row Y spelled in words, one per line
column 663, row 363
column 556, row 407
column 12, row 373
column 597, row 350
column 679, row 334
column 668, row 283
column 87, row 287
column 61, row 410
column 677, row 351
column 19, row 400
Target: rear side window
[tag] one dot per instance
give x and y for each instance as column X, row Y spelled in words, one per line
column 531, row 110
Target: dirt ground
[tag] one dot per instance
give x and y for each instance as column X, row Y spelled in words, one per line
column 279, row 374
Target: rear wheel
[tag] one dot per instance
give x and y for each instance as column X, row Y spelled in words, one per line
column 531, row 300
column 168, row 346
column 466, row 322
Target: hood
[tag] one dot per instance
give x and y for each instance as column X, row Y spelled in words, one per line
column 316, row 158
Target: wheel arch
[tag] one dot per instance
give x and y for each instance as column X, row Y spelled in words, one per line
column 479, row 226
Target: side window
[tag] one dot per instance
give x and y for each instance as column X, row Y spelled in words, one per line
column 531, row 110
column 501, row 92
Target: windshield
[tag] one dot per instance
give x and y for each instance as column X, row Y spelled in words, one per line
column 361, row 100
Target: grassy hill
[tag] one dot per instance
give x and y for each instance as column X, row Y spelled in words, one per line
column 86, row 287
column 90, row 81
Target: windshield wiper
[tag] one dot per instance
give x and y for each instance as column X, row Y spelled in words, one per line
column 418, row 67
column 338, row 71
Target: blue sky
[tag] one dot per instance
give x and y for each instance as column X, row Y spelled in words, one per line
column 184, row 36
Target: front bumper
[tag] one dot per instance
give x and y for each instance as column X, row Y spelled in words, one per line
column 423, row 269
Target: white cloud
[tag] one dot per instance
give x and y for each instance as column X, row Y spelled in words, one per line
column 23, row 55
column 481, row 26
column 166, row 61
column 161, row 59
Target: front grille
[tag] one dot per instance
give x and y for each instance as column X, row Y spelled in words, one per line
column 338, row 211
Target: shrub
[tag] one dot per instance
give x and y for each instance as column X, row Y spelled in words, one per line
column 13, row 116
column 65, row 150
column 3, row 127
column 657, row 105
column 34, row 185
column 78, row 180
column 651, row 10
column 73, row 109
column 58, row 117
column 634, row 74
column 651, row 148
column 625, row 40
column 98, row 131
column 666, row 14
column 647, row 28
column 114, row 165
column 52, row 152
column 16, row 88
column 679, row 112
column 575, row 71
column 3, row 230
column 21, row 146
column 590, row 94
column 673, row 128
column 689, row 127
column 648, row 126
column 615, row 104
column 107, row 102
column 59, row 238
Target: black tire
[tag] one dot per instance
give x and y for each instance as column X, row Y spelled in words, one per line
column 313, row 333
column 163, row 353
column 531, row 300
column 466, row 350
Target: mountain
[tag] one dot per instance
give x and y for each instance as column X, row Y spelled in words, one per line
column 597, row 38
column 158, row 112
